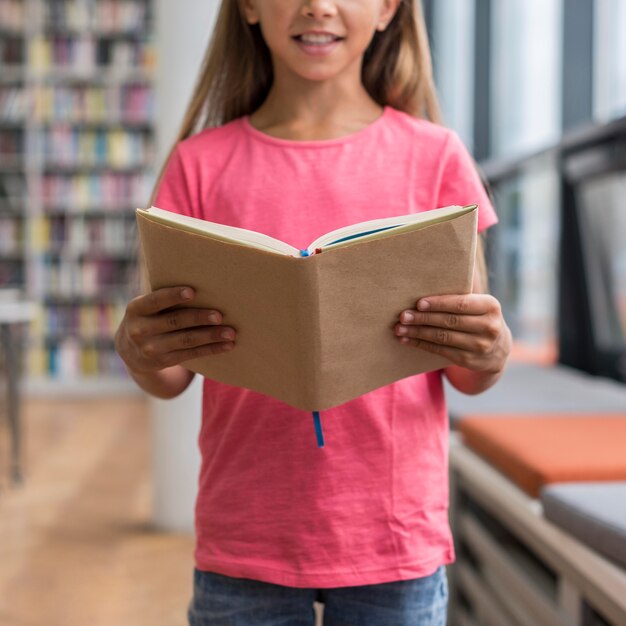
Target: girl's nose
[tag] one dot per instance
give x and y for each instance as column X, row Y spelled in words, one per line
column 318, row 8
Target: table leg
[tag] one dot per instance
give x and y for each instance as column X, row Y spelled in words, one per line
column 11, row 347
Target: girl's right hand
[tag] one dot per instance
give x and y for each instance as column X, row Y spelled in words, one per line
column 151, row 337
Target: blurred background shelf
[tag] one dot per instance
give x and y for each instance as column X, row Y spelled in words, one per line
column 77, row 151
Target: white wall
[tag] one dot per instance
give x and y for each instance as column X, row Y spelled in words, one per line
column 182, row 33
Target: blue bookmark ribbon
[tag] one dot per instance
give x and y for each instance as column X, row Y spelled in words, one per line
column 318, row 429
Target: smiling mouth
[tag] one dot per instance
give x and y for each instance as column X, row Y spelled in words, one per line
column 299, row 38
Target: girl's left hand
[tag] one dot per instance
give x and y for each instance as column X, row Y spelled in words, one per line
column 469, row 330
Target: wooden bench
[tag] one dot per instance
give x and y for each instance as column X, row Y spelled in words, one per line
column 516, row 567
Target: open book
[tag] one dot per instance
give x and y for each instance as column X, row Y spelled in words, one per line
column 364, row 231
column 314, row 332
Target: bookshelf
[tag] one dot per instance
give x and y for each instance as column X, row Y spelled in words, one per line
column 77, row 148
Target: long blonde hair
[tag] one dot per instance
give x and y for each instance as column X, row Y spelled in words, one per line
column 234, row 80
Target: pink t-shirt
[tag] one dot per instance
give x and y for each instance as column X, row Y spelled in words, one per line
column 371, row 506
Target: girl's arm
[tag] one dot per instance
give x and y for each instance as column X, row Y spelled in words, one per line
column 164, row 384
column 475, row 381
column 469, row 330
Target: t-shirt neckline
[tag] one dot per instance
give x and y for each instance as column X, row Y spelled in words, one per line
column 310, row 143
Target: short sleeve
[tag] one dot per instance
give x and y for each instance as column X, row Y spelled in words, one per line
column 461, row 184
column 174, row 192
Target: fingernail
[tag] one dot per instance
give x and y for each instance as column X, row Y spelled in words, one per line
column 407, row 317
column 186, row 293
column 228, row 334
column 214, row 318
column 423, row 305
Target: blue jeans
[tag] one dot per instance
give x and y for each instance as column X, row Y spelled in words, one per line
column 224, row 601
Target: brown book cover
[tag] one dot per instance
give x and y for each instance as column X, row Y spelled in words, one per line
column 315, row 331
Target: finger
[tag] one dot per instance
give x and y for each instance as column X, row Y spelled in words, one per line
column 454, row 355
column 467, row 304
column 157, row 347
column 453, row 321
column 180, row 356
column 464, row 341
column 160, row 299
column 180, row 319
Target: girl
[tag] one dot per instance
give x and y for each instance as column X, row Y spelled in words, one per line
column 310, row 115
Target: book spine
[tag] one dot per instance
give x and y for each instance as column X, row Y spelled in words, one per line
column 307, row 253
column 319, row 433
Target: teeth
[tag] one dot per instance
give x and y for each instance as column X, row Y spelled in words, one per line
column 317, row 38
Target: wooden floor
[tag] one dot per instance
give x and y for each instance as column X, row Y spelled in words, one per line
column 76, row 545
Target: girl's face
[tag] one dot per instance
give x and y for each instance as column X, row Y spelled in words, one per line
column 283, row 22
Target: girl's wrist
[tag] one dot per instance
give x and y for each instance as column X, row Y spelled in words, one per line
column 165, row 383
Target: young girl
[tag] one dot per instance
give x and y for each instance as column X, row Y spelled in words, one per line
column 310, row 115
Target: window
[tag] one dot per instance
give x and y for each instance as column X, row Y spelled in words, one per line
column 604, row 222
column 453, row 61
column 523, row 274
column 526, row 75
column 609, row 59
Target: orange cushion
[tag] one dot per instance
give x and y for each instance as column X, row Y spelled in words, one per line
column 537, row 450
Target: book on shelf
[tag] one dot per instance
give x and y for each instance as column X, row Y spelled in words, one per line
column 315, row 326
column 12, row 190
column 86, row 52
column 113, row 104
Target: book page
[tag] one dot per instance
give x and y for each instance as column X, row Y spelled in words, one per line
column 230, row 234
column 374, row 229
